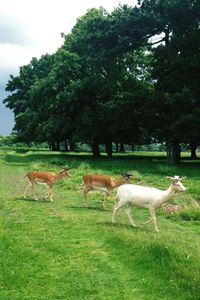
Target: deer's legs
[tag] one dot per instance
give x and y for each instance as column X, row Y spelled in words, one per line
column 128, row 211
column 116, row 208
column 85, row 192
column 31, row 185
column 153, row 218
column 49, row 195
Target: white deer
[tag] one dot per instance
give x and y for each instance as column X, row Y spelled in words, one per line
column 147, row 197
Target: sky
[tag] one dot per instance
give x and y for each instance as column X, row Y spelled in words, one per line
column 31, row 28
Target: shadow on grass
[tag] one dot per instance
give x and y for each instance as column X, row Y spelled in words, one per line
column 118, row 225
column 86, row 208
column 128, row 226
column 43, row 200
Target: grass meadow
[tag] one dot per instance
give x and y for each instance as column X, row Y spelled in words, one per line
column 60, row 250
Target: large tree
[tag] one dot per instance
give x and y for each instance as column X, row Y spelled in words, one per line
column 175, row 71
column 108, row 83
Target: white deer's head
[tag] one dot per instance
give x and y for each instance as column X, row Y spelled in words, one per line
column 176, row 182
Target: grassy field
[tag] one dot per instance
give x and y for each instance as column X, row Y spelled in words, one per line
column 61, row 250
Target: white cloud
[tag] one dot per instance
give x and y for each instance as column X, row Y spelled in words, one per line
column 30, row 28
column 42, row 21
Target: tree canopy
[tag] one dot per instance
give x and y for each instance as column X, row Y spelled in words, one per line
column 131, row 76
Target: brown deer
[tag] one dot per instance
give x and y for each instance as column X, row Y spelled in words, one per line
column 104, row 183
column 46, row 178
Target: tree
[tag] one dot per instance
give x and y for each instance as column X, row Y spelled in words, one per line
column 107, row 82
column 175, row 69
column 21, row 101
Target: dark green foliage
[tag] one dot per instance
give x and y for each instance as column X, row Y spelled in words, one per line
column 131, row 76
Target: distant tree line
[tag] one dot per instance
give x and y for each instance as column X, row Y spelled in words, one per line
column 12, row 141
column 126, row 77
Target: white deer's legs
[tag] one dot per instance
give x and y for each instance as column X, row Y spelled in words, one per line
column 116, row 208
column 128, row 211
column 146, row 222
column 153, row 218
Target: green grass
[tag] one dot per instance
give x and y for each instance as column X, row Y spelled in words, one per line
column 61, row 250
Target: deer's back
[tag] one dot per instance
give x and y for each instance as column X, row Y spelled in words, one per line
column 98, row 180
column 41, row 175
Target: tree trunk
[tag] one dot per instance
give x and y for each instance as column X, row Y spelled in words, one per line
column 66, row 146
column 57, row 146
column 122, row 147
column 72, row 146
column 173, row 153
column 109, row 148
column 193, row 148
column 95, row 149
column 53, row 146
column 117, row 147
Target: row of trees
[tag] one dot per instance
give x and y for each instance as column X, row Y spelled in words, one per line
column 11, row 141
column 131, row 76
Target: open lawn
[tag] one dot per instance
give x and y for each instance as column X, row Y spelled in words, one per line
column 60, row 250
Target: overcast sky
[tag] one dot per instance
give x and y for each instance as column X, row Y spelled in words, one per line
column 30, row 28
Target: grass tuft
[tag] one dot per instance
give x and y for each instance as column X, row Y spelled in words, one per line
column 167, row 170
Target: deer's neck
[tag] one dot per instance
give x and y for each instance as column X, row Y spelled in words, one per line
column 119, row 182
column 167, row 194
column 58, row 177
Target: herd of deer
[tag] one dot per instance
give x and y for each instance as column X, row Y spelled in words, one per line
column 127, row 193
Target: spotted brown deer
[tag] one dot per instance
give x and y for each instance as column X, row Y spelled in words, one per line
column 104, row 183
column 46, row 178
